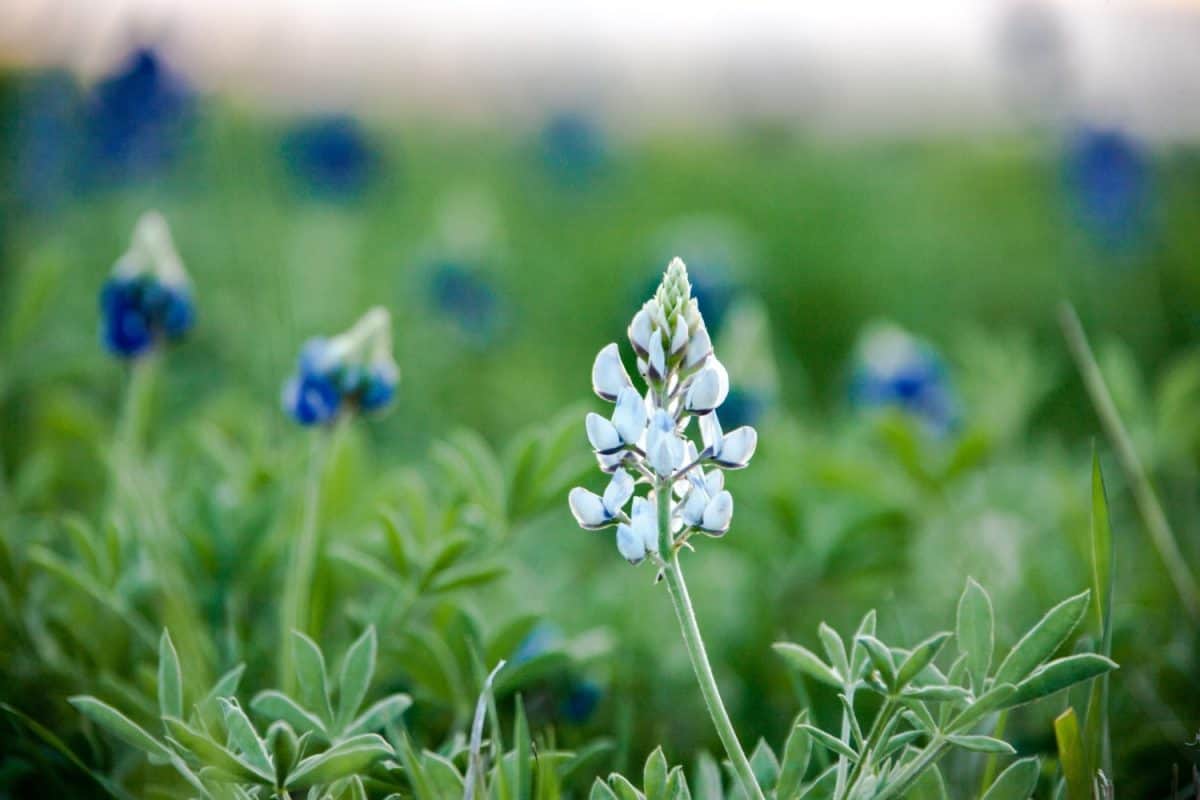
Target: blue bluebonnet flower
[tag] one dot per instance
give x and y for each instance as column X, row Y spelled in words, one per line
column 647, row 435
column 137, row 117
column 148, row 298
column 582, row 698
column 331, row 156
column 1108, row 178
column 462, row 292
column 893, row 369
column 354, row 372
column 573, row 149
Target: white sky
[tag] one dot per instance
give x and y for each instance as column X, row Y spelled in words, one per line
column 847, row 64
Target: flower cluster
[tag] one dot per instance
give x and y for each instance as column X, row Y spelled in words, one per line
column 148, row 297
column 646, row 440
column 354, row 371
column 894, row 369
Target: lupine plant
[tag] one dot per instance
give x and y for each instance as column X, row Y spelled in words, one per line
column 646, row 443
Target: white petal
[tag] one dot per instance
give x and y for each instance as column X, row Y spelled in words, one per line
column 738, row 448
column 710, row 433
column 679, row 340
column 705, row 392
column 658, row 359
column 602, row 434
column 618, row 492
column 722, row 379
column 699, row 346
column 609, row 462
column 588, row 508
column 660, row 458
column 629, row 417
column 645, row 526
column 640, row 331
column 693, row 507
column 714, row 482
column 608, row 373
column 630, row 544
column 719, row 513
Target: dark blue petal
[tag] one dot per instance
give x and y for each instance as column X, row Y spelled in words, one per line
column 378, row 391
column 177, row 312
column 127, row 332
column 331, row 157
column 581, row 701
column 311, row 399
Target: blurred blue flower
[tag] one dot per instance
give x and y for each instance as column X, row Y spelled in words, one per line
column 893, row 369
column 147, row 299
column 137, row 118
column 744, row 406
column 354, row 370
column 331, row 157
column 463, row 293
column 1108, row 179
column 582, row 698
column 572, row 149
column 47, row 138
column 542, row 639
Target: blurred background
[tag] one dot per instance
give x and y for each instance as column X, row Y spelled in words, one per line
column 510, row 180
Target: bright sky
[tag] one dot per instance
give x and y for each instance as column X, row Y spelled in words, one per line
column 848, row 63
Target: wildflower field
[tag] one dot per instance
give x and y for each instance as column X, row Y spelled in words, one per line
column 361, row 458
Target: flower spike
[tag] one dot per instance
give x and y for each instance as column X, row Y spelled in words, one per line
column 646, row 434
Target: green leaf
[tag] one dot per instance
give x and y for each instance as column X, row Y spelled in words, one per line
column 677, row 786
column 355, row 676
column 899, row 742
column 1042, row 640
column 807, row 662
column 981, row 744
column 310, row 670
column 209, row 708
column 858, row 654
column 600, row 791
column 993, row 699
column 922, row 655
column 938, row 694
column 975, row 631
column 522, row 776
column 118, row 724
column 285, row 749
column 379, row 715
column 345, row 758
column 623, row 788
column 796, row 752
column 835, row 650
column 467, row 575
column 881, row 658
column 170, row 681
column 764, row 765
column 1071, row 756
column 707, row 778
column 442, row 775
column 59, row 746
column 1096, row 736
column 1060, row 674
column 275, row 705
column 214, row 754
column 1015, row 783
column 829, row 742
column 244, row 738
column 654, row 775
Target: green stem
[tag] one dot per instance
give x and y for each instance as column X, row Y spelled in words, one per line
column 695, row 647
column 1155, row 519
column 886, row 712
column 296, row 609
column 139, row 401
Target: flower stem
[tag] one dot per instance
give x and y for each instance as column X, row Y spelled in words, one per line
column 1151, row 510
column 296, row 609
column 695, row 648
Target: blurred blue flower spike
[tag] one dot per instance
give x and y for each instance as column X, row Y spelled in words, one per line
column 573, row 149
column 894, row 369
column 147, row 299
column 354, row 372
column 138, row 117
column 582, row 698
column 331, row 157
column 462, row 292
column 544, row 638
column 1107, row 174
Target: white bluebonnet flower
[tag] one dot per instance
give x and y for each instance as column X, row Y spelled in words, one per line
column 354, row 370
column 148, row 297
column 646, row 440
column 894, row 369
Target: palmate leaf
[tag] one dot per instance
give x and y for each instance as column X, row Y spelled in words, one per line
column 244, row 738
column 354, row 678
column 1060, row 674
column 379, row 715
column 807, row 662
column 974, row 628
column 829, row 741
column 216, row 755
column 922, row 655
column 981, row 744
column 1015, row 783
column 276, row 705
column 796, row 753
column 314, row 681
column 345, row 758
